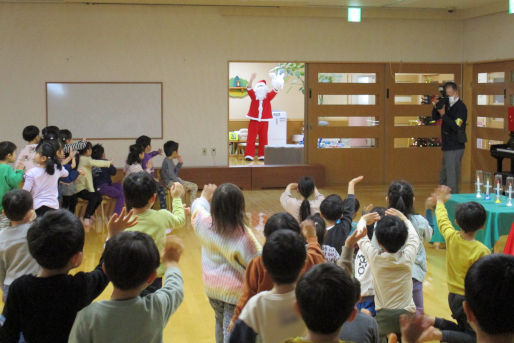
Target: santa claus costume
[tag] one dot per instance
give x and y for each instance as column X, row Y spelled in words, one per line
column 260, row 114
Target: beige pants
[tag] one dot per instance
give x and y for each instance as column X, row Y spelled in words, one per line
column 189, row 186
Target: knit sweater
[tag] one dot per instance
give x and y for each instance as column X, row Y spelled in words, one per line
column 224, row 256
column 257, row 278
column 86, row 163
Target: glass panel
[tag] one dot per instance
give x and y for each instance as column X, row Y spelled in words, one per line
column 345, row 143
column 423, row 77
column 512, row 100
column 491, row 77
column 408, row 99
column 485, row 144
column 347, row 77
column 414, row 121
column 347, row 121
column 343, row 99
column 417, row 142
column 495, row 100
column 492, row 123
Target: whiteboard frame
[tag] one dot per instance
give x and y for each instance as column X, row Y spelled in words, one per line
column 111, row 82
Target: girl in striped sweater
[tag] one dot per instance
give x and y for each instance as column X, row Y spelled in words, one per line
column 228, row 246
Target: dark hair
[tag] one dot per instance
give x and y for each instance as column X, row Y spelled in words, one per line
column 332, row 207
column 144, row 141
column 283, row 256
column 30, row 133
column 138, row 188
column 130, row 258
column 470, row 216
column 326, row 298
column 49, row 150
column 65, row 135
column 305, row 188
column 228, row 208
column 16, row 204
column 321, row 227
column 489, row 288
column 371, row 228
column 6, row 148
column 170, row 147
column 391, row 232
column 357, row 206
column 134, row 151
column 54, row 238
column 88, row 146
column 282, row 220
column 401, row 197
column 97, row 151
column 451, row 84
column 50, row 132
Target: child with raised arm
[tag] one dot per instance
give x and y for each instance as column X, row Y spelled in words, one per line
column 131, row 260
column 26, row 155
column 301, row 208
column 146, row 164
column 9, row 178
column 42, row 308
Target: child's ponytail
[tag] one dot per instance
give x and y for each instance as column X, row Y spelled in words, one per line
column 305, row 188
column 49, row 150
column 401, row 197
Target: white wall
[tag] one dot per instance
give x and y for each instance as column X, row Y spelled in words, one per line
column 187, row 48
column 489, row 38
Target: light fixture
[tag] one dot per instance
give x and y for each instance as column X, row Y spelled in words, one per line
column 354, row 14
column 511, row 6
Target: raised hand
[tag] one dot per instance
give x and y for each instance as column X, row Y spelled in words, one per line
column 394, row 212
column 371, row 218
column 208, row 191
column 308, row 228
column 442, row 193
column 176, row 190
column 159, row 151
column 431, row 201
column 179, row 159
column 357, row 179
column 368, row 208
column 292, row 186
column 118, row 223
column 173, row 249
column 355, row 237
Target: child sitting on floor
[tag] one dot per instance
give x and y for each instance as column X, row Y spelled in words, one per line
column 331, row 254
column 301, row 209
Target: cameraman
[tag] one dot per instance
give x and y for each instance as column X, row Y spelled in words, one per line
column 453, row 133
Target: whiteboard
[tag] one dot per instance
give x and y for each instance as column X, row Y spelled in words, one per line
column 106, row 110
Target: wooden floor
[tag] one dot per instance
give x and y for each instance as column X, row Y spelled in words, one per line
column 194, row 320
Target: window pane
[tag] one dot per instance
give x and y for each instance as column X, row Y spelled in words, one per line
column 417, row 142
column 423, row 77
column 491, row 77
column 347, row 77
column 347, row 121
column 414, row 121
column 345, row 143
column 495, row 100
column 492, row 123
column 343, row 99
column 409, row 99
column 485, row 144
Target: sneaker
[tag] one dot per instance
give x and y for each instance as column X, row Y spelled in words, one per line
column 261, row 158
column 249, row 158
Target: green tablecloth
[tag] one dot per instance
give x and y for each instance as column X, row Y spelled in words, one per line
column 498, row 223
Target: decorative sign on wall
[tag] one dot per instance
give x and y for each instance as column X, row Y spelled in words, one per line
column 237, row 87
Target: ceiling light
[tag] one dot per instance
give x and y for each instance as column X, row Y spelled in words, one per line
column 354, row 14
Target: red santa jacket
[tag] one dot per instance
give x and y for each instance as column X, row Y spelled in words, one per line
column 260, row 110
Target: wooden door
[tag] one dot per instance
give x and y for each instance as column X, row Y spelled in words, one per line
column 345, row 116
column 413, row 151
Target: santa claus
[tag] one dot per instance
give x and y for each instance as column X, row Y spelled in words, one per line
column 260, row 113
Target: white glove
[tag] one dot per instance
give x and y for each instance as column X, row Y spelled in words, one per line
column 277, row 80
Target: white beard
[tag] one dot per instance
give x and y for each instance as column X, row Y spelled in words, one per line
column 261, row 92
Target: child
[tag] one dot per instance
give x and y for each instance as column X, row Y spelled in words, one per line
column 50, row 133
column 42, row 181
column 257, row 279
column 338, row 215
column 102, row 179
column 67, row 184
column 301, row 209
column 270, row 316
column 31, row 136
column 9, row 178
column 228, row 246
column 15, row 259
column 331, row 254
column 134, row 158
column 401, row 197
column 140, row 193
column 325, row 298
column 169, row 171
column 357, row 208
column 42, row 308
column 84, row 185
column 130, row 262
column 363, row 328
column 146, row 164
column 65, row 136
column 391, row 268
column 462, row 250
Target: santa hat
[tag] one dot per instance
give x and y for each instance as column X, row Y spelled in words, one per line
column 261, row 81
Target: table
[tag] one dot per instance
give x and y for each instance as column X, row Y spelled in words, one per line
column 498, row 222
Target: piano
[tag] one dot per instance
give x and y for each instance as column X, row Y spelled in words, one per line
column 502, row 151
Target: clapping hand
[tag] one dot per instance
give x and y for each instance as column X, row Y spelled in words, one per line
column 118, row 223
column 394, row 212
column 208, row 191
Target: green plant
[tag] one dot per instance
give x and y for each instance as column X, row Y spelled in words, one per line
column 295, row 75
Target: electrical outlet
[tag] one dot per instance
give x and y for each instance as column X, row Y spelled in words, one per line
column 204, row 151
column 213, row 150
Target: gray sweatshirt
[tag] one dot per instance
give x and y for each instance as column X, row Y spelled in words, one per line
column 169, row 171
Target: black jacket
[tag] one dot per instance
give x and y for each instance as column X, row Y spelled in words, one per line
column 453, row 121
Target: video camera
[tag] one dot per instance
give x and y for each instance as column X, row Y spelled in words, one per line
column 442, row 99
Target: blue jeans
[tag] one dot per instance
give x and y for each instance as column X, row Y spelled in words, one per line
column 223, row 313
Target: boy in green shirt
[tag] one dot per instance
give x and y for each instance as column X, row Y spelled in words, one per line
column 9, row 178
column 140, row 194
